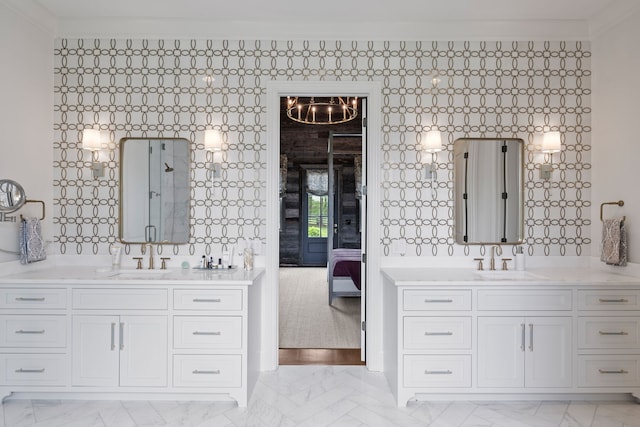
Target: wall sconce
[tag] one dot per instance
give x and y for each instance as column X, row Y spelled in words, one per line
column 550, row 144
column 431, row 143
column 213, row 144
column 92, row 141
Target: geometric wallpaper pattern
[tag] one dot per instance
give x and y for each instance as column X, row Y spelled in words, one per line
column 157, row 88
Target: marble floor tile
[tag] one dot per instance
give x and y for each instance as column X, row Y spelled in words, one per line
column 318, row 396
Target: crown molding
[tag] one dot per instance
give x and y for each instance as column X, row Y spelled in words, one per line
column 610, row 17
column 428, row 30
column 33, row 13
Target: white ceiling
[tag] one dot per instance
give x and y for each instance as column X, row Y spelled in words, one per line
column 369, row 19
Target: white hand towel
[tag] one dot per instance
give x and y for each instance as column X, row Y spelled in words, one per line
column 614, row 242
column 31, row 241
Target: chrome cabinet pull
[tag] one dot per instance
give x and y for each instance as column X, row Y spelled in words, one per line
column 22, row 331
column 613, row 333
column 121, row 335
column 522, row 327
column 438, row 300
column 30, row 371
column 207, row 333
column 438, row 333
column 607, row 371
column 198, row 372
column 613, row 300
column 29, row 299
column 207, row 300
column 113, row 336
column 530, row 336
column 447, row 372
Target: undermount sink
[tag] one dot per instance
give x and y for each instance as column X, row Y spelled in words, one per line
column 508, row 275
column 138, row 274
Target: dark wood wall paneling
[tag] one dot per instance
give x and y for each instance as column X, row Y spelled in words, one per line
column 307, row 145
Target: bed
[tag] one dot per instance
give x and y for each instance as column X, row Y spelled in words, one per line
column 344, row 273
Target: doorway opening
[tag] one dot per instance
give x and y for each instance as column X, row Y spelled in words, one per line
column 322, row 218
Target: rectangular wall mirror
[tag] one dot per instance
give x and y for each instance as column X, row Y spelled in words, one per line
column 154, row 190
column 488, row 190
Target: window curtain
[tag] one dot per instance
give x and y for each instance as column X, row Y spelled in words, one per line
column 283, row 174
column 357, row 164
column 318, row 182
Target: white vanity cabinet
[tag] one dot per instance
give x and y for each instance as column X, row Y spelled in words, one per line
column 458, row 338
column 524, row 352
column 119, row 351
column 190, row 335
column 33, row 337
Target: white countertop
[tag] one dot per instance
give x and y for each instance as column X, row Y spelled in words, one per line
column 538, row 276
column 92, row 275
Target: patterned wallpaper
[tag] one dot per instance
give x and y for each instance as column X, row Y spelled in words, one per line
column 155, row 88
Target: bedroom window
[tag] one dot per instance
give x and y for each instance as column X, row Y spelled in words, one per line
column 317, row 216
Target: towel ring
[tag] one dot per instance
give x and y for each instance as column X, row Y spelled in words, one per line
column 619, row 203
column 35, row 201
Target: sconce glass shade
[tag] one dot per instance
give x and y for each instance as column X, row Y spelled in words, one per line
column 551, row 142
column 91, row 139
column 432, row 141
column 212, row 140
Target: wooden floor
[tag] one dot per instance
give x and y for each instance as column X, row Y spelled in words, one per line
column 320, row 356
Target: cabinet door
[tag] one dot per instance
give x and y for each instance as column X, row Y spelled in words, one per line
column 95, row 351
column 500, row 351
column 548, row 354
column 143, row 350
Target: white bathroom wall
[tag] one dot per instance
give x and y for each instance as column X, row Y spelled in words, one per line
column 616, row 145
column 26, row 117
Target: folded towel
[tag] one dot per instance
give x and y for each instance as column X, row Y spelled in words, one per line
column 31, row 241
column 614, row 242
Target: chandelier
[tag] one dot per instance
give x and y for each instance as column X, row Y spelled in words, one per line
column 326, row 111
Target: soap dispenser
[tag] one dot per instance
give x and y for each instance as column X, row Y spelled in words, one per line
column 520, row 259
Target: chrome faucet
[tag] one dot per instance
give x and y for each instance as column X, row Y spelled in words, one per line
column 144, row 245
column 495, row 249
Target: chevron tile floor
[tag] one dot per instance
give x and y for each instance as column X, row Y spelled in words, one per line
column 318, row 396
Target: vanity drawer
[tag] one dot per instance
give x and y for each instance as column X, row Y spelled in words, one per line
column 207, row 299
column 608, row 371
column 33, row 369
column 609, row 300
column 608, row 332
column 207, row 332
column 33, row 331
column 33, row 298
column 437, row 332
column 119, row 299
column 524, row 300
column 437, row 371
column 205, row 370
column 440, row 300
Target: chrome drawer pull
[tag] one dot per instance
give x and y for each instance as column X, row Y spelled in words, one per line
column 613, row 333
column 113, row 336
column 438, row 300
column 21, row 331
column 206, row 333
column 438, row 333
column 613, row 300
column 620, row 371
column 121, row 335
column 447, row 372
column 29, row 299
column 30, row 371
column 207, row 300
column 523, row 333
column 197, row 372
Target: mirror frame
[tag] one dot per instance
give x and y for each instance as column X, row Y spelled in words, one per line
column 22, row 199
column 120, row 192
column 520, row 238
